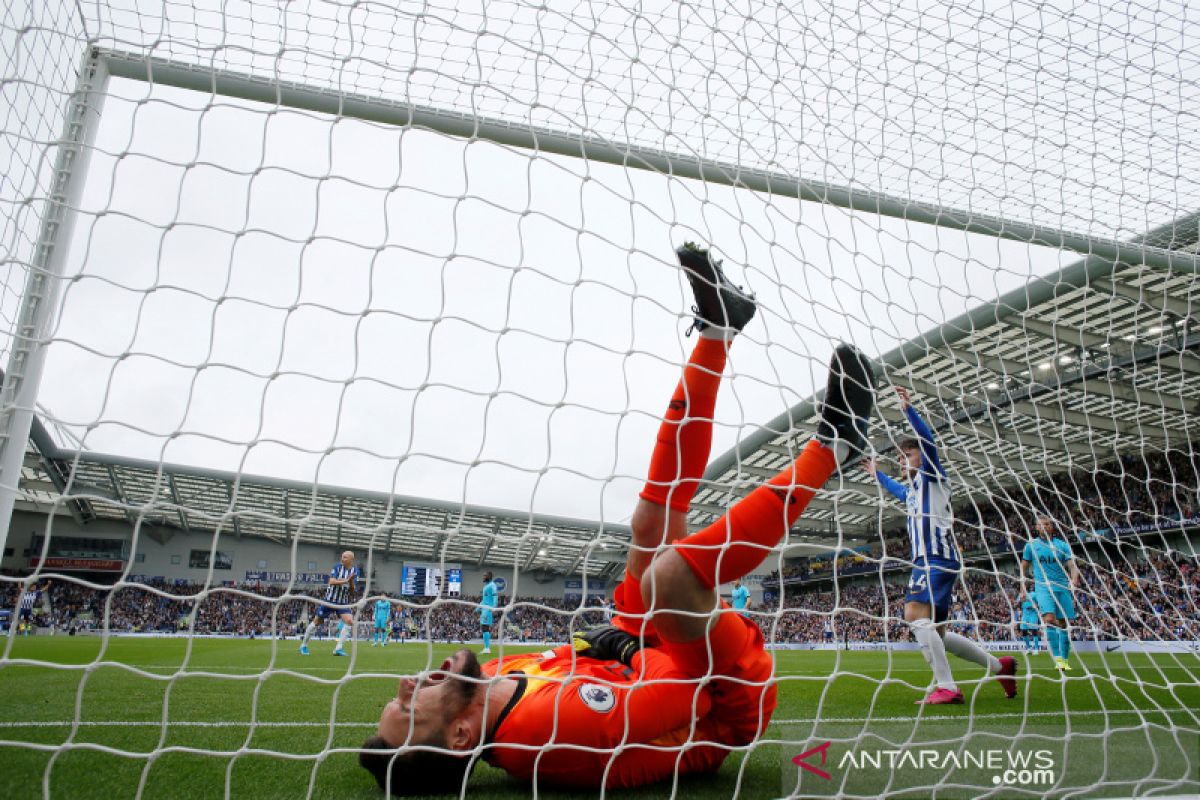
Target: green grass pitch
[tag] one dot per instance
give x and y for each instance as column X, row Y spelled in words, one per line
column 1122, row 725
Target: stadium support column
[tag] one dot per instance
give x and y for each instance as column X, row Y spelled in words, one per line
column 39, row 301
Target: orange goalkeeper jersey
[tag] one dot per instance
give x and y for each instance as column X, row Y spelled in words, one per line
column 582, row 722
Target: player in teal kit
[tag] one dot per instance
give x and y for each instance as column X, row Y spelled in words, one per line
column 1031, row 626
column 1049, row 558
column 741, row 598
column 491, row 596
column 383, row 616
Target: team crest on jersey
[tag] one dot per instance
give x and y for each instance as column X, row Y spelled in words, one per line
column 600, row 699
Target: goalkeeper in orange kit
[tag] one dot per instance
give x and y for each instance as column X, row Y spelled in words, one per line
column 679, row 679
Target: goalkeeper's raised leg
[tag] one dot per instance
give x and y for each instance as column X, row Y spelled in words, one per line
column 677, row 665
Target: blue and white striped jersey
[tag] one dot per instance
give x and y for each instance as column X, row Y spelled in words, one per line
column 930, row 518
column 340, row 594
column 28, row 599
column 930, row 515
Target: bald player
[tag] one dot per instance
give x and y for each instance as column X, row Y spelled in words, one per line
column 679, row 679
column 1048, row 560
column 339, row 594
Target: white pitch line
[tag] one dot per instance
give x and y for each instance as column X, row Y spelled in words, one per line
column 1046, row 669
column 815, row 673
column 186, row 724
column 989, row 716
column 797, row 721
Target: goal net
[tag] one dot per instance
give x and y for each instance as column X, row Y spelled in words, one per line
column 288, row 280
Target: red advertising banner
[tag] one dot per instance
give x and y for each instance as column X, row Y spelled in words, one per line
column 79, row 564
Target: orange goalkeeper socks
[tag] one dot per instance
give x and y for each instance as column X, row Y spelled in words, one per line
column 685, row 436
column 738, row 542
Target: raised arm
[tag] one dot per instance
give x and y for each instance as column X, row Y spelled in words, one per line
column 930, row 463
column 895, row 488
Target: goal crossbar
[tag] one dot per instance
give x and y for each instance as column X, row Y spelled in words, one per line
column 327, row 100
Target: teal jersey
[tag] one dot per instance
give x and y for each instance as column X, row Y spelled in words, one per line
column 1029, row 613
column 383, row 609
column 741, row 597
column 1049, row 559
column 491, row 595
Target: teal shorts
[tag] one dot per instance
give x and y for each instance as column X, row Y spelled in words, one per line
column 1054, row 600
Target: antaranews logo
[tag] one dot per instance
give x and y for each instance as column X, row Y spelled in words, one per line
column 800, row 760
column 1007, row 767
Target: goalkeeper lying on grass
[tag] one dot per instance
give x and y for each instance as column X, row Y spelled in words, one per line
column 617, row 707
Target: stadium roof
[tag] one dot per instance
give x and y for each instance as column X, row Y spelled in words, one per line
column 161, row 497
column 1098, row 358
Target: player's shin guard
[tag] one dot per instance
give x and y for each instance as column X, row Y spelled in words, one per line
column 343, row 635
column 966, row 649
column 308, row 632
column 1064, row 642
column 934, row 651
column 734, row 545
column 685, row 436
column 487, row 640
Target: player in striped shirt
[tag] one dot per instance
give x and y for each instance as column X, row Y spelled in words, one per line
column 25, row 608
column 383, row 615
column 936, row 564
column 1049, row 558
column 339, row 594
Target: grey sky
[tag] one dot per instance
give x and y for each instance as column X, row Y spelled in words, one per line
column 398, row 276
column 525, row 313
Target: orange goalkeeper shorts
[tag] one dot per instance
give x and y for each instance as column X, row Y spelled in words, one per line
column 733, row 654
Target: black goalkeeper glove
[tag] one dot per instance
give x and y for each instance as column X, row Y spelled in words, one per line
column 606, row 643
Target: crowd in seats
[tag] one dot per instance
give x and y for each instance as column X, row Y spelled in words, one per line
column 1156, row 488
column 1155, row 597
column 254, row 610
column 1150, row 596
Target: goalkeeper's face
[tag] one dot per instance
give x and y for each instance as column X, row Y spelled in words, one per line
column 438, row 707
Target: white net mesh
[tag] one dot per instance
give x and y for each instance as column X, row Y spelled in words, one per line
column 281, row 323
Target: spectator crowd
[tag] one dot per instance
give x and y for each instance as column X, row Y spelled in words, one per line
column 1152, row 598
column 1129, row 590
column 1156, row 489
column 256, row 609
